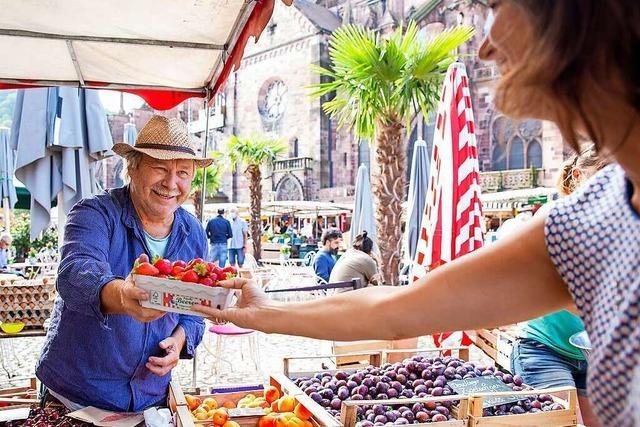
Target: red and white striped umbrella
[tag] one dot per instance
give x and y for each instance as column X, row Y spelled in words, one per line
column 451, row 225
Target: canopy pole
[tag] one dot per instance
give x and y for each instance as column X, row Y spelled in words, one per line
column 7, row 212
column 62, row 221
column 204, row 155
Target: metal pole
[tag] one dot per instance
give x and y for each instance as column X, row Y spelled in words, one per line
column 204, row 154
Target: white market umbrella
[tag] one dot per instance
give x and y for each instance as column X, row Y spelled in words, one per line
column 363, row 218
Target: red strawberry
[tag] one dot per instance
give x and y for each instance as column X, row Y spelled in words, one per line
column 162, row 276
column 206, row 281
column 200, row 268
column 163, row 266
column 211, row 266
column 146, row 269
column 195, row 261
column 179, row 263
column 230, row 269
column 190, row 276
column 176, row 270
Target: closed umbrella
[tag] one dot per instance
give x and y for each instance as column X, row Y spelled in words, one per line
column 58, row 135
column 417, row 197
column 363, row 214
column 7, row 189
column 453, row 213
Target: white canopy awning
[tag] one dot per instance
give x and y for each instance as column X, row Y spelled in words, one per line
column 517, row 195
column 180, row 48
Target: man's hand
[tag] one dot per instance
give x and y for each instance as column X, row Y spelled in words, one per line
column 246, row 313
column 123, row 297
column 161, row 366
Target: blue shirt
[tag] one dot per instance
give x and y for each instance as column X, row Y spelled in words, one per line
column 238, row 228
column 95, row 359
column 219, row 230
column 323, row 264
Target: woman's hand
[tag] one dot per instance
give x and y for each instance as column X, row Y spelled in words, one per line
column 247, row 313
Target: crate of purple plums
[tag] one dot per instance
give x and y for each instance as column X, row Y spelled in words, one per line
column 431, row 388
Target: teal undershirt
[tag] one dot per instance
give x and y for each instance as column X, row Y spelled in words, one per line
column 156, row 246
column 554, row 330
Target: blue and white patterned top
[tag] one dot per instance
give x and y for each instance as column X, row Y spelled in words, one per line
column 593, row 239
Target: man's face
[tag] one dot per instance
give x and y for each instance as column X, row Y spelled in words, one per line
column 3, row 244
column 333, row 245
column 159, row 187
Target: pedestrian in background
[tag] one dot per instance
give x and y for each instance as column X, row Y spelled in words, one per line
column 5, row 242
column 218, row 233
column 239, row 240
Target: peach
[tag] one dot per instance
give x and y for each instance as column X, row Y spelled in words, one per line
column 229, row 405
column 192, row 401
column 302, row 412
column 210, row 403
column 308, row 423
column 268, row 420
column 231, row 424
column 220, row 416
column 271, row 393
column 286, row 403
column 202, row 416
column 294, row 422
column 274, row 406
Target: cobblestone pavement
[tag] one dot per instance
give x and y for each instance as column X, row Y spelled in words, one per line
column 19, row 357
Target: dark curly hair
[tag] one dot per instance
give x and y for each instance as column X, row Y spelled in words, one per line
column 363, row 243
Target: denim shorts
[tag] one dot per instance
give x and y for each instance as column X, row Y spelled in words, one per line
column 542, row 367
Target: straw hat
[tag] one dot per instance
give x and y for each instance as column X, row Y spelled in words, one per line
column 164, row 139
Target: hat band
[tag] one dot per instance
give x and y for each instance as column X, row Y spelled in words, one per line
column 166, row 147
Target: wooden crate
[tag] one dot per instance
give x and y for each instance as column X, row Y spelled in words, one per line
column 349, row 409
column 345, row 348
column 372, row 357
column 183, row 418
column 320, row 417
column 19, row 397
column 497, row 344
column 561, row 418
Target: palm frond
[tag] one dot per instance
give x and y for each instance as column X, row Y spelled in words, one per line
column 254, row 151
column 379, row 80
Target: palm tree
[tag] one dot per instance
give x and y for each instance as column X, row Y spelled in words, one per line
column 213, row 182
column 254, row 153
column 379, row 84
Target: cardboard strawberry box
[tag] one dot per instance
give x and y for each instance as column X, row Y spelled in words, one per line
column 178, row 297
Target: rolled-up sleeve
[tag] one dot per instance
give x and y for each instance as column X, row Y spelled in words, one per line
column 193, row 327
column 84, row 267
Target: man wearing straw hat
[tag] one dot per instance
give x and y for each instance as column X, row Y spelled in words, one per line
column 103, row 349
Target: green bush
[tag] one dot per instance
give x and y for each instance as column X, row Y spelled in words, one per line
column 20, row 230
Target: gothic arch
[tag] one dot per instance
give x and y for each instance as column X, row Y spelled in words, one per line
column 289, row 188
column 515, row 145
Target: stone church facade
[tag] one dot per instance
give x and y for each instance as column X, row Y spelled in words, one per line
column 269, row 96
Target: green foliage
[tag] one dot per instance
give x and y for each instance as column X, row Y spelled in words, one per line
column 387, row 80
column 7, row 101
column 255, row 151
column 213, row 175
column 20, row 229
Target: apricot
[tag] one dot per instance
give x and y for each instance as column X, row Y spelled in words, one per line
column 220, row 416
column 274, row 406
column 210, row 403
column 282, row 419
column 286, row 403
column 229, row 405
column 308, row 423
column 271, row 394
column 231, row 424
column 302, row 412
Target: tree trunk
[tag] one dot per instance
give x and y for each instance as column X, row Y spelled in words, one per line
column 196, row 199
column 255, row 190
column 388, row 190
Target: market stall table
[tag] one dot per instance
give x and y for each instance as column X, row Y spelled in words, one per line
column 34, row 269
column 283, row 262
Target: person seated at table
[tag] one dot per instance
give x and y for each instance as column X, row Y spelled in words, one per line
column 325, row 259
column 5, row 243
column 103, row 348
column 358, row 262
